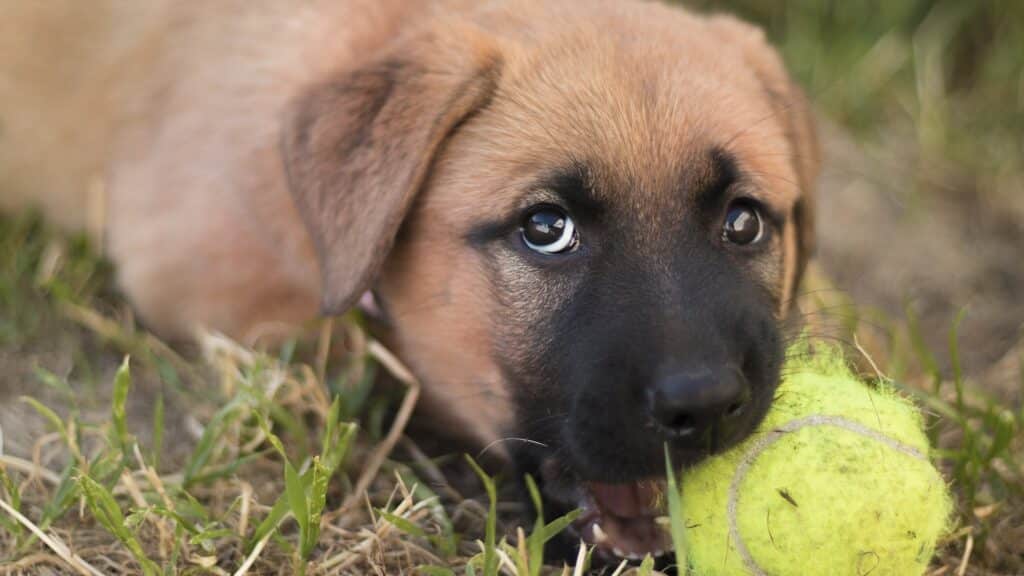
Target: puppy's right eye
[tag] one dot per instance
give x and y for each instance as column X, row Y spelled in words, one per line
column 743, row 224
column 549, row 230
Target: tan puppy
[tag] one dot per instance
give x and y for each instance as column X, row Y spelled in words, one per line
column 585, row 221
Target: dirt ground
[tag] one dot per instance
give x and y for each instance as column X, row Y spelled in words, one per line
column 890, row 240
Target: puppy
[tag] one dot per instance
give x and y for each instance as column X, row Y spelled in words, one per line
column 584, row 221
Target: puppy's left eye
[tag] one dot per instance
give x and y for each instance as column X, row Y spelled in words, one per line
column 549, row 230
column 743, row 224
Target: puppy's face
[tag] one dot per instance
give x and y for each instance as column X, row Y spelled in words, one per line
column 599, row 259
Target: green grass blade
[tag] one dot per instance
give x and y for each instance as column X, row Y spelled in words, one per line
column 336, row 448
column 403, row 524
column 271, row 522
column 13, row 497
column 208, row 441
column 53, row 381
column 921, row 350
column 287, row 352
column 317, row 503
column 62, row 498
column 677, row 522
column 49, row 415
column 536, row 540
column 305, row 509
column 107, row 512
column 179, row 520
column 558, row 525
column 356, row 396
column 271, row 437
column 226, row 470
column 296, row 494
column 292, row 428
column 646, row 566
column 102, row 504
column 330, row 429
column 954, row 357
column 1004, row 431
column 10, row 489
column 207, row 539
column 122, row 384
column 106, row 467
column 519, row 560
column 490, row 549
column 446, row 541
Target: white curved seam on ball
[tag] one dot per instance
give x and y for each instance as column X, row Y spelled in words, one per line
column 764, row 442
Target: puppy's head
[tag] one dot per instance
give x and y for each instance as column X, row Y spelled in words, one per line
column 585, row 226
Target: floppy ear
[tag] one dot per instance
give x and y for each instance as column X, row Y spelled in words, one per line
column 797, row 119
column 803, row 137
column 358, row 147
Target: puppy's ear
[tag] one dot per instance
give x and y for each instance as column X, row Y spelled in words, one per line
column 803, row 137
column 358, row 147
column 797, row 118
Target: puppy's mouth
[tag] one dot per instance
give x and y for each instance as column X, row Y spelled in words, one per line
column 620, row 520
column 625, row 520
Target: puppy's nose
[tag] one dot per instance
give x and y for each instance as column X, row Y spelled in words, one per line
column 685, row 403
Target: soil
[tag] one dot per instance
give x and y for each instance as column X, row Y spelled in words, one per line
column 891, row 238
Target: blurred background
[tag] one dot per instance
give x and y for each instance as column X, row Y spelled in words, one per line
column 920, row 273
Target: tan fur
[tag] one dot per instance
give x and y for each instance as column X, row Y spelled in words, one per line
column 177, row 112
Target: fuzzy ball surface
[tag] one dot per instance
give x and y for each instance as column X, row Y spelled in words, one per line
column 837, row 480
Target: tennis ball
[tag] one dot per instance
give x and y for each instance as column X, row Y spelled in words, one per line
column 836, row 481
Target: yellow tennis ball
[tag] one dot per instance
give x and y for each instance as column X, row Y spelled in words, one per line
column 836, row 481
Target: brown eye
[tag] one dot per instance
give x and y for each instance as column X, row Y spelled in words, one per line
column 549, row 230
column 743, row 224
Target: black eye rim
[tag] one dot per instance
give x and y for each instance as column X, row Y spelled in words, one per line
column 571, row 244
column 765, row 218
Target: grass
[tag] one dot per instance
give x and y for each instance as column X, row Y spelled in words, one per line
column 228, row 460
column 267, row 483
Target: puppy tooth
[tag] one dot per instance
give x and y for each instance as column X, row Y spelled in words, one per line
column 599, row 535
column 619, row 552
column 635, row 556
column 663, row 521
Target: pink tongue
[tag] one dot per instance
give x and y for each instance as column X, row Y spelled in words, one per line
column 627, row 500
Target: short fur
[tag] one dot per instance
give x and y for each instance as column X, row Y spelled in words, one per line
column 252, row 163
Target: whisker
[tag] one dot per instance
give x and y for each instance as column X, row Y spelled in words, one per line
column 510, row 439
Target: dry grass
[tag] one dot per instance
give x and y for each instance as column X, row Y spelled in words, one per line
column 266, row 472
column 285, row 463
